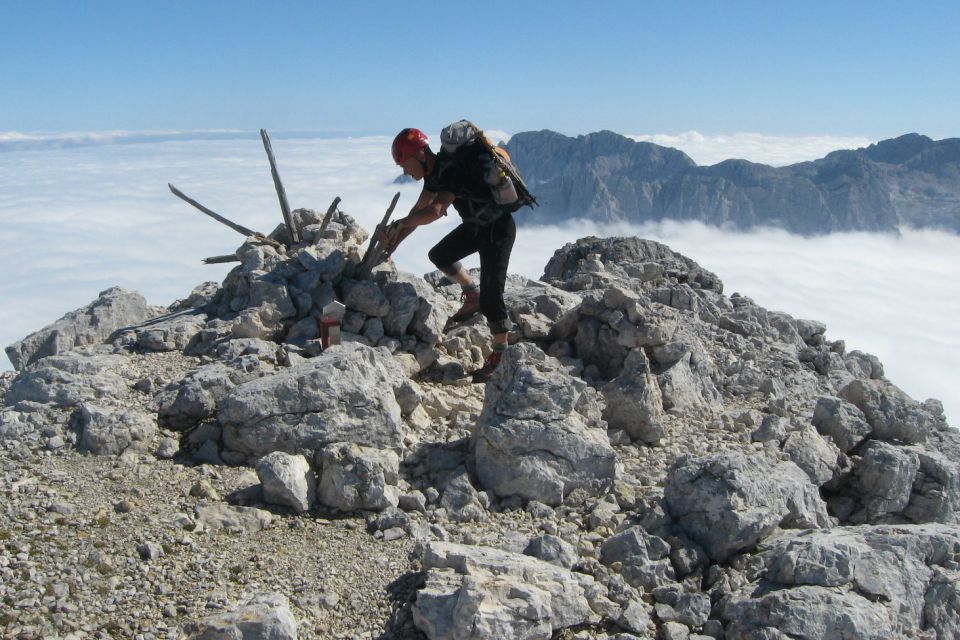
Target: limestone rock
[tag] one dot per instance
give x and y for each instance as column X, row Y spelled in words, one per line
column 454, row 607
column 891, row 413
column 114, row 309
column 353, row 477
column 216, row 517
column 169, row 332
column 343, row 395
column 109, row 431
column 687, row 391
column 552, row 549
column 540, row 435
column 728, row 502
column 460, row 499
column 70, row 379
column 633, row 401
column 936, row 489
column 415, row 308
column 884, row 478
column 366, row 297
column 480, row 592
column 287, row 480
column 842, row 421
column 194, row 398
column 535, row 306
column 643, row 557
column 856, row 582
column 631, row 261
column 820, row 459
column 266, row 616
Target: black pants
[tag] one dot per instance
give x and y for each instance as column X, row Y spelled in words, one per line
column 493, row 242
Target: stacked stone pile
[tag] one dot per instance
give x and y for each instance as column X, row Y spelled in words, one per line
column 652, row 458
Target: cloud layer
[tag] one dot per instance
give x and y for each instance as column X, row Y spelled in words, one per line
column 766, row 149
column 77, row 220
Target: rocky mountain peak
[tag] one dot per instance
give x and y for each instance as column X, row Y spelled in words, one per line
column 898, row 150
column 906, row 181
column 651, row 458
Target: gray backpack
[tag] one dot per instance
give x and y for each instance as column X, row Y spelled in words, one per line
column 509, row 190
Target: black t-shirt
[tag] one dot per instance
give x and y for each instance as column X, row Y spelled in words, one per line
column 463, row 174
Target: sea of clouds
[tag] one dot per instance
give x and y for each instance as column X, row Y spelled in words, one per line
column 80, row 213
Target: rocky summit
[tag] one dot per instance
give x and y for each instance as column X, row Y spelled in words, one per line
column 653, row 458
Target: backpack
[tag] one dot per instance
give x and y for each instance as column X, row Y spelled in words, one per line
column 507, row 187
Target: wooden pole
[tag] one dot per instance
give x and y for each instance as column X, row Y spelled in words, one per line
column 373, row 249
column 216, row 216
column 221, row 259
column 281, row 193
column 329, row 216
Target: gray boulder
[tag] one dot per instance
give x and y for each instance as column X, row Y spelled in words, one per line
column 353, row 477
column 689, row 609
column 69, row 379
column 807, row 613
column 194, row 398
column 365, row 296
column 686, row 389
column 168, row 332
column 540, row 435
column 111, row 431
column 633, row 402
column 460, row 499
column 634, row 262
column 863, row 365
column 225, row 517
column 287, row 480
column 114, row 309
column 486, row 593
column 346, row 394
column 936, row 489
column 730, row 501
column 853, row 582
column 842, row 421
column 820, row 459
column 264, row 616
column 416, row 308
column 891, row 413
column 884, row 479
column 552, row 549
column 536, row 306
column 643, row 558
column 325, row 259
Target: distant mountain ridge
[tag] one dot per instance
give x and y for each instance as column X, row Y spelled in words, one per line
column 911, row 181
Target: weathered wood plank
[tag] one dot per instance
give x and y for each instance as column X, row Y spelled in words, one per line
column 221, row 259
column 329, row 215
column 216, row 216
column 374, row 253
column 281, row 192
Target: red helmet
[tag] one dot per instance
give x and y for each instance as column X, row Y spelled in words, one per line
column 407, row 143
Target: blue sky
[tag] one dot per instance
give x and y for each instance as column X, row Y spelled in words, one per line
column 874, row 69
column 764, row 81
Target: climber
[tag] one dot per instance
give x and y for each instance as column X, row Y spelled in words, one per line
column 463, row 178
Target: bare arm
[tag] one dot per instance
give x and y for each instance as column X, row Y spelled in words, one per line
column 429, row 207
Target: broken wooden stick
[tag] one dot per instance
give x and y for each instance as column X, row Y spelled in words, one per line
column 221, row 259
column 239, row 228
column 281, row 192
column 329, row 216
column 374, row 253
column 216, row 216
